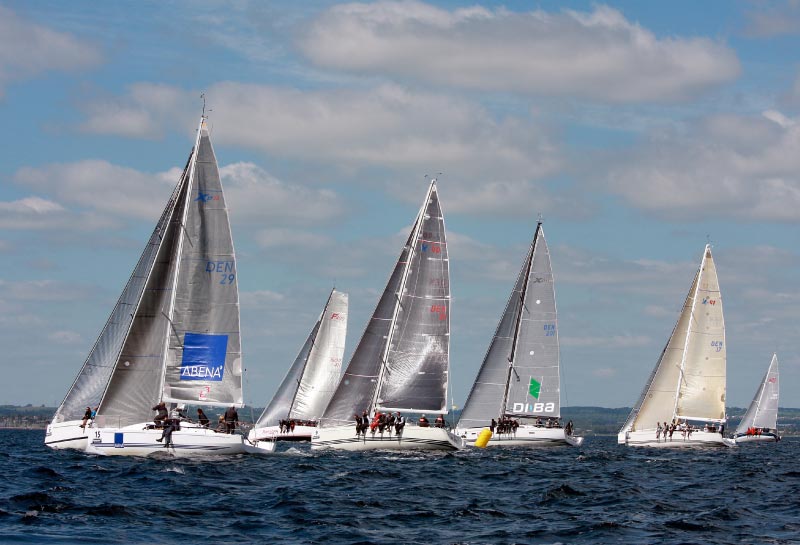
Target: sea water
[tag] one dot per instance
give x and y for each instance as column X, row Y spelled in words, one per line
column 599, row 493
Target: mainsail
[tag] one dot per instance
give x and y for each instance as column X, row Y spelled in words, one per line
column 402, row 360
column 520, row 373
column 688, row 381
column 763, row 411
column 312, row 378
column 187, row 253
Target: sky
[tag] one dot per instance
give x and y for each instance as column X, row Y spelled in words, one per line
column 639, row 131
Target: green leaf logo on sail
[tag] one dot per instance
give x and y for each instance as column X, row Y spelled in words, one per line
column 535, row 388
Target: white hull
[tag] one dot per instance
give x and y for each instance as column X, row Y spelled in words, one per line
column 757, row 438
column 273, row 433
column 525, row 436
column 698, row 438
column 136, row 440
column 67, row 435
column 412, row 438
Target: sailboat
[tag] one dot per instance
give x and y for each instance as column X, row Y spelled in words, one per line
column 401, row 364
column 173, row 336
column 519, row 380
column 311, row 380
column 760, row 422
column 683, row 403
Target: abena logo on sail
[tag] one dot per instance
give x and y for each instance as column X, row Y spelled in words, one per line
column 203, row 357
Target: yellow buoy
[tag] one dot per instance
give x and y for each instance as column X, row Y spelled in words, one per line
column 483, row 438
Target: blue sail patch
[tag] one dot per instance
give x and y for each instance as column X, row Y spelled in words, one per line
column 204, row 357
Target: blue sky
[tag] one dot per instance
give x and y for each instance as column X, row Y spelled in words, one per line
column 639, row 130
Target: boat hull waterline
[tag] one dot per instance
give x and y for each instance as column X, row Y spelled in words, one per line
column 138, row 440
column 698, row 438
column 412, row 438
column 528, row 436
column 274, row 433
column 763, row 438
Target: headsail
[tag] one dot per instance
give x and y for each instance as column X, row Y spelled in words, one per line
column 763, row 411
column 417, row 358
column 203, row 363
column 312, row 378
column 123, row 369
column 689, row 378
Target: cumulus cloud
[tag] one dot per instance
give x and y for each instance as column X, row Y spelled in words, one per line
column 597, row 55
column 769, row 19
column 65, row 337
column 727, row 166
column 492, row 160
column 28, row 49
column 100, row 185
column 39, row 214
column 254, row 194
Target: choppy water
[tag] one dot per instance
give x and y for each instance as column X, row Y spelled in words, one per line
column 600, row 493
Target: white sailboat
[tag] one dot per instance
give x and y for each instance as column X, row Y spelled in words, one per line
column 760, row 422
column 172, row 337
column 686, row 391
column 519, row 381
column 311, row 380
column 402, row 363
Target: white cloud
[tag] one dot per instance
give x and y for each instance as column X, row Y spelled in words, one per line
column 288, row 238
column 28, row 49
column 613, row 341
column 598, row 54
column 775, row 18
column 491, row 161
column 140, row 113
column 38, row 214
column 730, row 166
column 254, row 194
column 65, row 337
column 102, row 186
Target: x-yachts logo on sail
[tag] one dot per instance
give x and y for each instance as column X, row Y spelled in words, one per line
column 205, row 197
column 204, row 357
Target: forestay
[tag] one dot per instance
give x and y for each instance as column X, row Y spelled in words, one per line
column 763, row 411
column 312, row 378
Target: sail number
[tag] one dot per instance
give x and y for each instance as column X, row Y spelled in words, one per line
column 549, row 330
column 717, row 345
column 226, row 270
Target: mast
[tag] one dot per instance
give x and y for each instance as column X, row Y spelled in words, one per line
column 512, row 355
column 398, row 294
column 181, row 237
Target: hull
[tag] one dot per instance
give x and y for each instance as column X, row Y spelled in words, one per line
column 698, row 438
column 525, row 436
column 273, row 433
column 137, row 440
column 67, row 435
column 412, row 438
column 763, row 438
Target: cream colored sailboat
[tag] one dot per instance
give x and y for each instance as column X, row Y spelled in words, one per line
column 683, row 403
